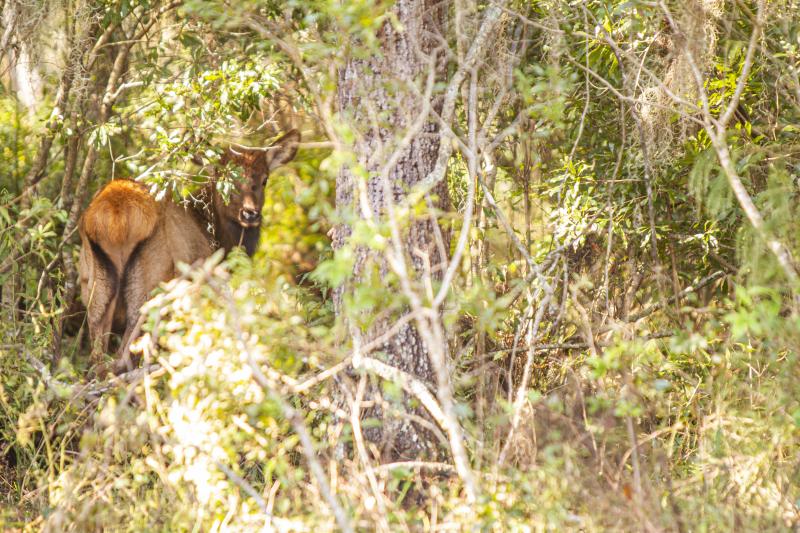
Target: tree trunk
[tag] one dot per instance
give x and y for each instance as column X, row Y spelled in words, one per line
column 376, row 99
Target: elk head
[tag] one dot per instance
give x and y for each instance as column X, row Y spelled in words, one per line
column 238, row 222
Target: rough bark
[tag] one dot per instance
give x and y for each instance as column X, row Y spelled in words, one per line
column 376, row 99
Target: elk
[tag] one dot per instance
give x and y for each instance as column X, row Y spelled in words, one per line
column 130, row 242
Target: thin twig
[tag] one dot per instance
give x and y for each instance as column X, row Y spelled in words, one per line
column 284, row 524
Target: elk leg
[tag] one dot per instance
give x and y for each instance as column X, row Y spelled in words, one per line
column 99, row 289
column 136, row 294
column 132, row 329
column 100, row 314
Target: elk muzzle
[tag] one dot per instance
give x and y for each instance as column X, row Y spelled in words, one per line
column 249, row 218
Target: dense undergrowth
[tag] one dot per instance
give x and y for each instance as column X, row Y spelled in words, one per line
column 656, row 390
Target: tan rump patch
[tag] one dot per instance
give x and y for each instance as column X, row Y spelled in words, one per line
column 123, row 212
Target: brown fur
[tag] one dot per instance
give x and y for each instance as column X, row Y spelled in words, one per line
column 131, row 209
column 120, row 216
column 130, row 242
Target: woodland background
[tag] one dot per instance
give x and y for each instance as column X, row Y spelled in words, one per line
column 533, row 268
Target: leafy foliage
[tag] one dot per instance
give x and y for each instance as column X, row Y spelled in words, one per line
column 622, row 342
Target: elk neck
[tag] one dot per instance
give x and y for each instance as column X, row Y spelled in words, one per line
column 223, row 232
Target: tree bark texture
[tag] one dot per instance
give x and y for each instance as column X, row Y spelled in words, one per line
column 376, row 98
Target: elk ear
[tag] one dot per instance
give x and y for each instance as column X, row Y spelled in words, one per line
column 283, row 150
